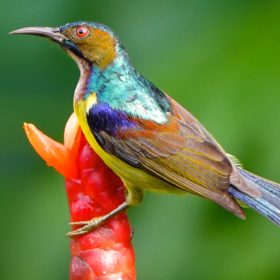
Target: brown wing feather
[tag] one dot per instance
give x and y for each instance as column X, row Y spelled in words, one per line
column 182, row 153
column 236, row 178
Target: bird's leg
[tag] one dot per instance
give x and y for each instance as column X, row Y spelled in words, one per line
column 95, row 222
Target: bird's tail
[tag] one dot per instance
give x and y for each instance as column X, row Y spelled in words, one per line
column 267, row 203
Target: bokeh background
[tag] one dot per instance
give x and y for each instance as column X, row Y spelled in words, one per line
column 220, row 59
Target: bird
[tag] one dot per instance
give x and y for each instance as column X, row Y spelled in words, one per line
column 148, row 139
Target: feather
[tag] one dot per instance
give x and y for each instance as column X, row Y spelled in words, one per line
column 180, row 152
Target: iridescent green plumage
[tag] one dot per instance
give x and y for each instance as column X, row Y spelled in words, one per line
column 124, row 89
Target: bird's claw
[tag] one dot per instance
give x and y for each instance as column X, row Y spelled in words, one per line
column 79, row 223
column 87, row 227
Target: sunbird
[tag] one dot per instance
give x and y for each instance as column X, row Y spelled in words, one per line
column 149, row 140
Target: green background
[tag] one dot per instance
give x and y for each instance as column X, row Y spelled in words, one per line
column 220, row 59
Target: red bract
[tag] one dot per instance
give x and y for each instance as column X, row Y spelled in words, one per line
column 93, row 190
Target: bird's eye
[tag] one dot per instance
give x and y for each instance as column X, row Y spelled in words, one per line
column 82, row 31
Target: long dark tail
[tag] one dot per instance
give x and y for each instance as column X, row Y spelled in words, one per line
column 268, row 203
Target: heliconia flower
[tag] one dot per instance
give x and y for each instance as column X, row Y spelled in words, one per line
column 105, row 253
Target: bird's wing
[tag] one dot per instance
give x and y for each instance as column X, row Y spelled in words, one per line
column 181, row 152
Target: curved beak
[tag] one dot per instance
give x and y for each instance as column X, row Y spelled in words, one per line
column 50, row 32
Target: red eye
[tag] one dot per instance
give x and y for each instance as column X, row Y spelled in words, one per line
column 82, row 31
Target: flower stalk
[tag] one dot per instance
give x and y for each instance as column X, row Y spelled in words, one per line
column 92, row 190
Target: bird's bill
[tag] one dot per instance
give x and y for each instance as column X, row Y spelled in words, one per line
column 49, row 32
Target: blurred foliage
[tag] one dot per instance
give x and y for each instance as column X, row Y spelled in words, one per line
column 219, row 58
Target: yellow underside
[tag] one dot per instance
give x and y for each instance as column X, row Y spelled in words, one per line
column 135, row 179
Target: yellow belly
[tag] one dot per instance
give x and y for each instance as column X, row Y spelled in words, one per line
column 134, row 179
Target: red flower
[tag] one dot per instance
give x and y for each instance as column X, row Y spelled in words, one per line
column 92, row 190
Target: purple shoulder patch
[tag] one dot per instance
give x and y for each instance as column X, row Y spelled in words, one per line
column 102, row 117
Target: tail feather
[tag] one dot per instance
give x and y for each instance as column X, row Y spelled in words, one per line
column 268, row 203
column 271, row 187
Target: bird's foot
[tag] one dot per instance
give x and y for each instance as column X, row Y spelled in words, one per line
column 90, row 225
column 87, row 226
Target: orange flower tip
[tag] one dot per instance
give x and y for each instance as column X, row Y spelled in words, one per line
column 27, row 127
column 54, row 153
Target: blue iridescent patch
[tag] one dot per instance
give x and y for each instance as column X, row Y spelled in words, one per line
column 102, row 117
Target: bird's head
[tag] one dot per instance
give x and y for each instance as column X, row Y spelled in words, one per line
column 88, row 41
